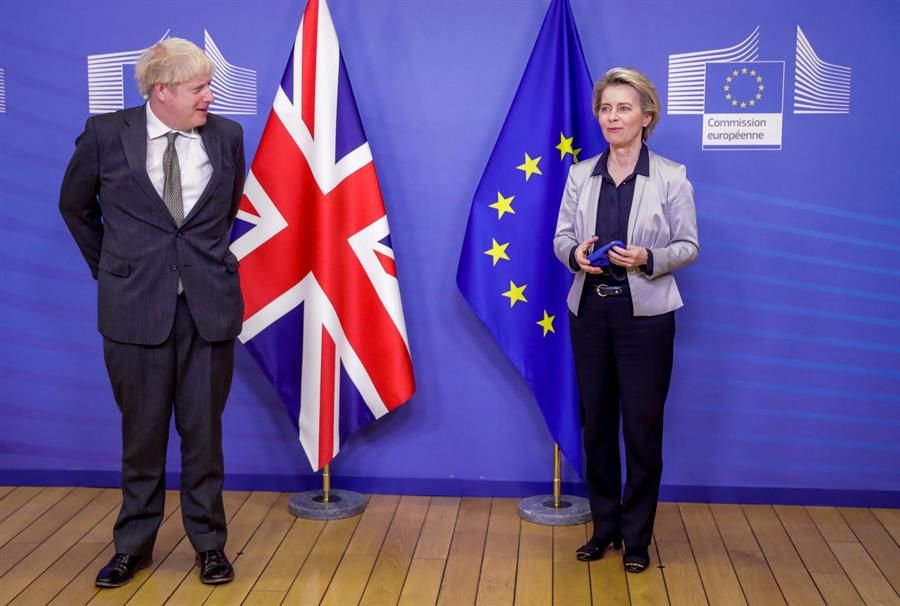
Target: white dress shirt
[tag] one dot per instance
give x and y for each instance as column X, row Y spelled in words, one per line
column 192, row 160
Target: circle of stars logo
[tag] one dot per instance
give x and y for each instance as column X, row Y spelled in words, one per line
column 739, row 77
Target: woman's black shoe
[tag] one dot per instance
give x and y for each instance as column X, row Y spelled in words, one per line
column 593, row 549
column 636, row 559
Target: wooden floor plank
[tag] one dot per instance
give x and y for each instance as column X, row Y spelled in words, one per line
column 866, row 577
column 259, row 597
column 79, row 511
column 423, row 582
column 5, row 490
column 311, row 583
column 252, row 559
column 890, row 519
column 753, row 572
column 389, row 573
column 534, row 574
column 878, row 543
column 437, row 531
column 353, row 572
column 679, row 568
column 461, row 574
column 497, row 582
column 571, row 578
column 290, row 556
column 833, row 527
column 608, row 582
column 81, row 589
column 795, row 583
column 30, row 526
column 718, row 575
column 28, row 511
column 681, row 575
column 241, row 528
column 648, row 588
column 817, row 556
column 15, row 499
column 481, row 554
column 178, row 562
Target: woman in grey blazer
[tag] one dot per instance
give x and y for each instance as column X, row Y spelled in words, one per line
column 622, row 317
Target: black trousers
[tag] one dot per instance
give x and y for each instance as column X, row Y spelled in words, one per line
column 623, row 364
column 192, row 377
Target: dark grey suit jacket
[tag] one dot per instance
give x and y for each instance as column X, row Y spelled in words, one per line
column 135, row 250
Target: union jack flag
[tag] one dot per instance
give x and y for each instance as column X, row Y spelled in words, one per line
column 323, row 316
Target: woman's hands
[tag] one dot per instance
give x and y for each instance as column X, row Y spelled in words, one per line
column 633, row 256
column 581, row 253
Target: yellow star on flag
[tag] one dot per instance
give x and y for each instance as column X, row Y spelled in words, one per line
column 515, row 293
column 575, row 155
column 743, row 70
column 497, row 251
column 565, row 146
column 530, row 166
column 547, row 323
column 503, row 205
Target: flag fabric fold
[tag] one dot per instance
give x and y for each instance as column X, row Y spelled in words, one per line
column 507, row 270
column 323, row 316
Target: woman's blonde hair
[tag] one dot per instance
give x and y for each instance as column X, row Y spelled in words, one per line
column 170, row 62
column 639, row 82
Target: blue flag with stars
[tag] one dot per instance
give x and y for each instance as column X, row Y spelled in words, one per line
column 507, row 270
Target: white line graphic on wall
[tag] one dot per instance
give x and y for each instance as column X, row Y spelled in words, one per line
column 819, row 87
column 2, row 91
column 687, row 73
column 234, row 87
column 106, row 79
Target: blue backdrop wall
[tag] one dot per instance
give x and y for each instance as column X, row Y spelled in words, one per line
column 787, row 378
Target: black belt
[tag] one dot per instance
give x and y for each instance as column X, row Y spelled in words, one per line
column 606, row 290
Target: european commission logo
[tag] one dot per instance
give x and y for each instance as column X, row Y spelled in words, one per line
column 741, row 98
column 743, row 105
column 234, row 87
column 2, row 91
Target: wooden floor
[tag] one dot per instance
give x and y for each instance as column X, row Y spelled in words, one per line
column 417, row 551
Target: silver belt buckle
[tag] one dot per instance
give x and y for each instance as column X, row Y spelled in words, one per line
column 599, row 289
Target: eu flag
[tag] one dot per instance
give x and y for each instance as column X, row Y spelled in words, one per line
column 744, row 87
column 507, row 270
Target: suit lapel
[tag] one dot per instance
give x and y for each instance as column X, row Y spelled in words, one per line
column 134, row 142
column 593, row 197
column 212, row 143
column 639, row 186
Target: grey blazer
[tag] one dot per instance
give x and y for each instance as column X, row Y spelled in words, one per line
column 662, row 219
column 132, row 245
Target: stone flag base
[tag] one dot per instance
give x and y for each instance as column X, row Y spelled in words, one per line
column 341, row 504
column 540, row 510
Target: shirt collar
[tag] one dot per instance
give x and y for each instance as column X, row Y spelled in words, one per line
column 156, row 128
column 641, row 168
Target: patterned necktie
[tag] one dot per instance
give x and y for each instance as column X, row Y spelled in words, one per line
column 172, row 186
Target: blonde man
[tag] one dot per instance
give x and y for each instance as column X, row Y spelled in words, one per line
column 149, row 196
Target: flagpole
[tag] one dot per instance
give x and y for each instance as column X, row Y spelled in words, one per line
column 326, row 484
column 328, row 503
column 555, row 509
column 557, row 480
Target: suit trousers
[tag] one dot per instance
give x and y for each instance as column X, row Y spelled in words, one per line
column 623, row 364
column 192, row 377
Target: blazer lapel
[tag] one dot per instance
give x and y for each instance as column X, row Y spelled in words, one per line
column 212, row 143
column 593, row 197
column 134, row 142
column 639, row 186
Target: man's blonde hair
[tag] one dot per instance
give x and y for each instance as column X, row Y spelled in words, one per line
column 170, row 62
column 639, row 82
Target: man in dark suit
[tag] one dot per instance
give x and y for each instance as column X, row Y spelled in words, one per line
column 149, row 196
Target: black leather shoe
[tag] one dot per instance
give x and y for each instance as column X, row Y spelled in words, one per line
column 593, row 549
column 121, row 569
column 214, row 567
column 636, row 559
